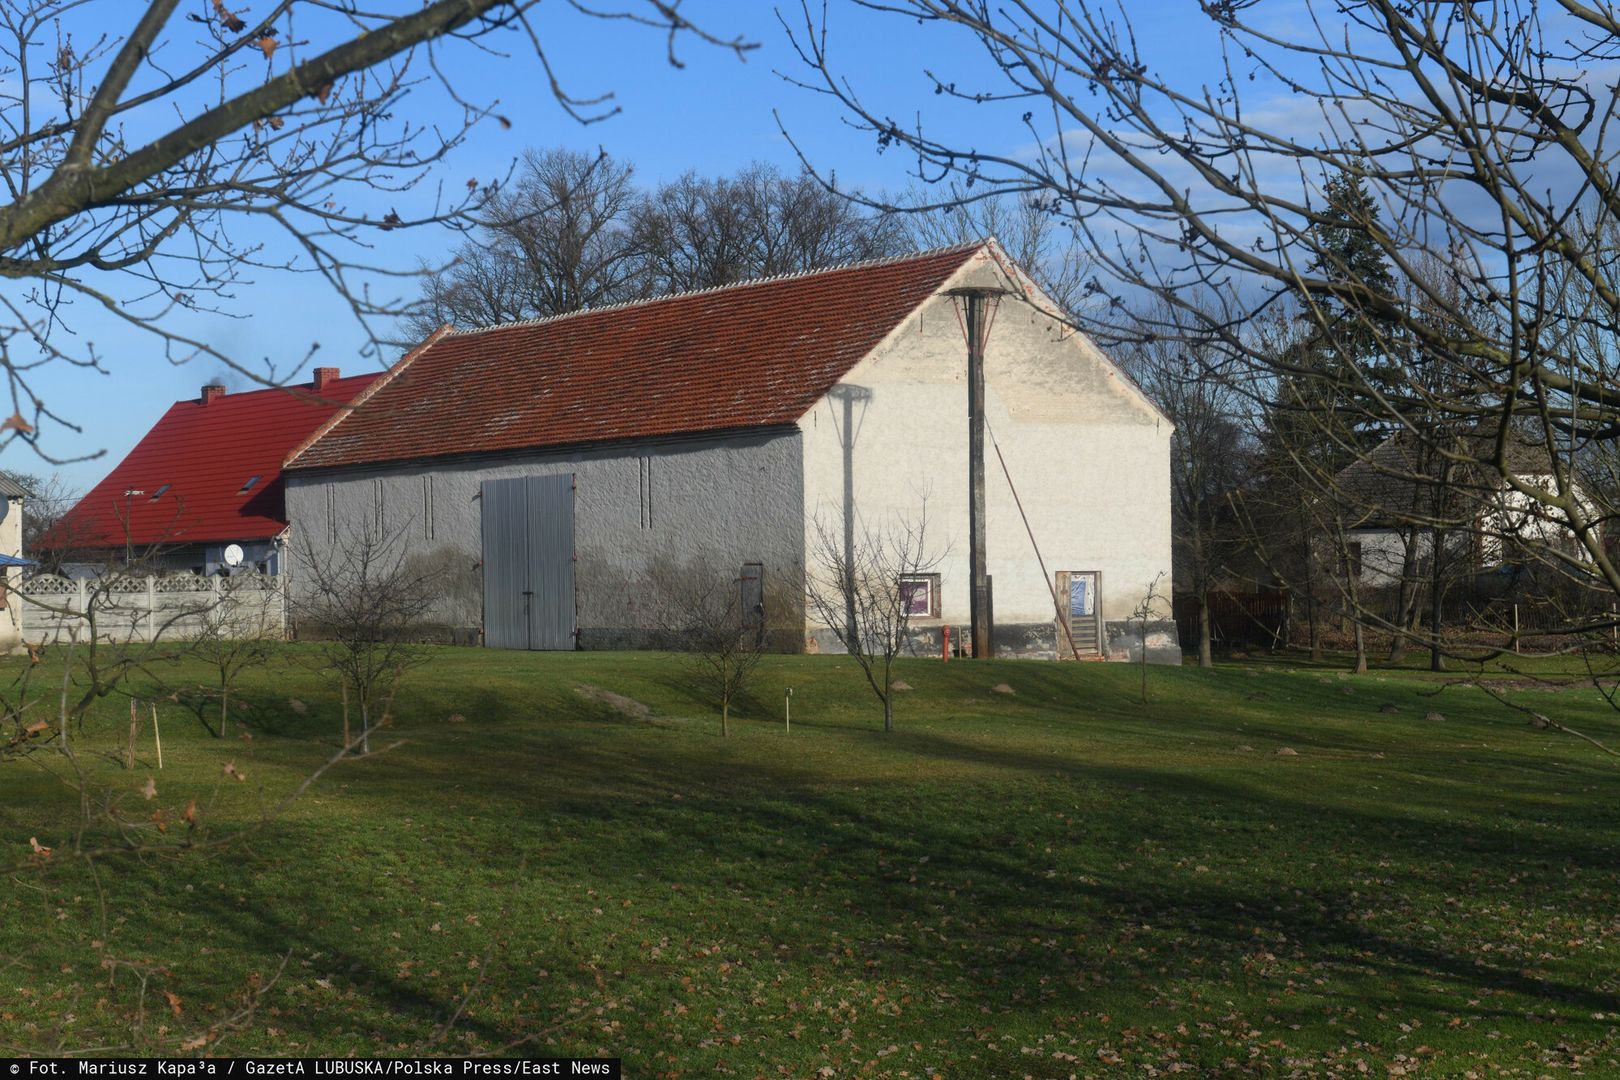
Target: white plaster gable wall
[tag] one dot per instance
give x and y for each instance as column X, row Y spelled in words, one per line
column 1088, row 453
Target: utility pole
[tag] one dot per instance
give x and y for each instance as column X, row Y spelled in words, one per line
column 977, row 325
column 849, row 394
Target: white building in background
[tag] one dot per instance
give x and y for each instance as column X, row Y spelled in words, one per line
column 13, row 501
column 1394, row 506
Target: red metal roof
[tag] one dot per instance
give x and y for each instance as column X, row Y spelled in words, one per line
column 750, row 355
column 205, row 454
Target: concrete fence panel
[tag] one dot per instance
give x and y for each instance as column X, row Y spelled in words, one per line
column 178, row 607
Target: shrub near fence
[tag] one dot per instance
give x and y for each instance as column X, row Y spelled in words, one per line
column 1235, row 619
column 150, row 607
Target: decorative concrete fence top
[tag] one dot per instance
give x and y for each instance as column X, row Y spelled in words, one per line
column 150, row 607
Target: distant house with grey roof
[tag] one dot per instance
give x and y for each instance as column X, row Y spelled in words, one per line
column 1396, row 499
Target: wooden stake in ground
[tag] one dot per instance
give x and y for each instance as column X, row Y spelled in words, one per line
column 157, row 736
column 129, row 751
column 345, row 718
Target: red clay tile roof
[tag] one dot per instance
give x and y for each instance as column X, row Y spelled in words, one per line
column 205, row 454
column 751, row 355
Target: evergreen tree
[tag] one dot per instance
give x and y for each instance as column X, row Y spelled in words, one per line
column 1352, row 346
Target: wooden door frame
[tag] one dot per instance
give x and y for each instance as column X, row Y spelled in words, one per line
column 1062, row 580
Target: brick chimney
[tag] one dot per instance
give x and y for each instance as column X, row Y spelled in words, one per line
column 210, row 392
column 324, row 377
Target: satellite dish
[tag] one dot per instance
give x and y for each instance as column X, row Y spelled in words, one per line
column 233, row 555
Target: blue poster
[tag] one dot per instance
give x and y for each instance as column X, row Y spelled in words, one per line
column 1079, row 596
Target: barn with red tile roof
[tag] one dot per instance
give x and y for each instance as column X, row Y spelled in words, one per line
column 562, row 466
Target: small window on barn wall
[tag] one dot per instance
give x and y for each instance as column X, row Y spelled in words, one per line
column 919, row 594
column 1352, row 556
column 158, row 494
column 247, row 487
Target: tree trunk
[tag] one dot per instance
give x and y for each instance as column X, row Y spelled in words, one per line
column 1437, row 661
column 1316, row 629
column 1206, row 654
column 725, row 713
column 1310, row 590
column 224, row 706
column 888, row 712
column 1352, row 593
column 1405, row 602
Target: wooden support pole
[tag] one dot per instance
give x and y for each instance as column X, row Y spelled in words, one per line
column 157, row 736
column 975, row 307
column 129, row 750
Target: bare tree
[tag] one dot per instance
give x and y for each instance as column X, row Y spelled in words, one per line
column 697, row 232
column 236, row 632
column 154, row 163
column 103, row 629
column 575, row 232
column 49, row 499
column 1210, row 454
column 1464, row 148
column 861, row 589
column 367, row 603
column 1035, row 237
column 1149, row 609
column 716, row 622
column 1471, row 130
column 557, row 240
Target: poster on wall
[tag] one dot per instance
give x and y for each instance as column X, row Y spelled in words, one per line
column 1082, row 595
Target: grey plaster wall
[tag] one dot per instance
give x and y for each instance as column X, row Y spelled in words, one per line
column 926, row 638
column 717, row 502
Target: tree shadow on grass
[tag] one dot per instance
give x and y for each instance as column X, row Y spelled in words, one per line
column 944, row 883
column 1217, row 925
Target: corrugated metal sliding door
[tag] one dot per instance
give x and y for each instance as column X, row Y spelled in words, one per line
column 529, row 562
column 551, row 562
column 505, row 517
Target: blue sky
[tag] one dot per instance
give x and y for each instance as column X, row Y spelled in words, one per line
column 714, row 116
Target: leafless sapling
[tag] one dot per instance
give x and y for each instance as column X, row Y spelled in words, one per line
column 1151, row 607
column 862, row 589
column 240, row 629
column 716, row 623
column 365, row 600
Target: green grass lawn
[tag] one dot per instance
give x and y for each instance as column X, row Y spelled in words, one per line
column 1058, row 882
